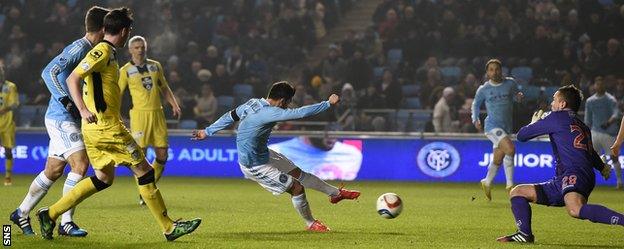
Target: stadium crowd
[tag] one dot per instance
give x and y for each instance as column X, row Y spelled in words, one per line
column 418, row 55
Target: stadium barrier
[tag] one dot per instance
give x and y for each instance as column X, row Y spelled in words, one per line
column 387, row 156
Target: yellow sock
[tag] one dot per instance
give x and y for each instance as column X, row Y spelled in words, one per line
column 8, row 168
column 158, row 169
column 81, row 191
column 153, row 199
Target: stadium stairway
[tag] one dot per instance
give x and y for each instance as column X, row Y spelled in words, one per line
column 356, row 19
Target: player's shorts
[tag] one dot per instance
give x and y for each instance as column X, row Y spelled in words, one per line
column 65, row 138
column 496, row 135
column 149, row 128
column 602, row 142
column 551, row 193
column 272, row 176
column 111, row 146
column 7, row 137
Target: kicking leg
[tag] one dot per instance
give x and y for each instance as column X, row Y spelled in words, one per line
column 521, row 195
column 313, row 182
column 577, row 207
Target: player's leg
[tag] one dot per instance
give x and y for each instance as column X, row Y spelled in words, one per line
column 38, row 189
column 300, row 202
column 577, row 207
column 615, row 162
column 160, row 161
column 104, row 177
column 8, row 166
column 521, row 195
column 78, row 162
column 154, row 201
column 486, row 182
column 509, row 149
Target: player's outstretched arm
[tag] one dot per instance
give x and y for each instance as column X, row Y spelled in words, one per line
column 615, row 148
column 304, row 111
column 73, row 83
column 223, row 122
column 536, row 129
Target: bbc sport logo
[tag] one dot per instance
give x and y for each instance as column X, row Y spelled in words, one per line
column 438, row 159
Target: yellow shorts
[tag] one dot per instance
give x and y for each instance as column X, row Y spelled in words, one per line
column 149, row 128
column 7, row 137
column 111, row 147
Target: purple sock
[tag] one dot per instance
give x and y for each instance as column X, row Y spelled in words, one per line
column 601, row 214
column 522, row 212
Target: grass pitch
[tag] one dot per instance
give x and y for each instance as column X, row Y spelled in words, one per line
column 238, row 213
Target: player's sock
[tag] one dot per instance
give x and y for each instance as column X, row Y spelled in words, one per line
column 491, row 173
column 313, row 182
column 303, row 208
column 38, row 189
column 159, row 167
column 70, row 183
column 8, row 167
column 153, row 199
column 522, row 212
column 618, row 170
column 601, row 214
column 81, row 191
column 508, row 163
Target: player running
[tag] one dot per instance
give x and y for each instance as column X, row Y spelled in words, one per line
column 601, row 113
column 575, row 161
column 66, row 145
column 272, row 170
column 498, row 93
column 107, row 140
column 9, row 100
column 146, row 81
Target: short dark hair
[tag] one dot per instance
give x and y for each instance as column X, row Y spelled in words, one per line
column 117, row 19
column 281, row 90
column 493, row 61
column 94, row 20
column 572, row 96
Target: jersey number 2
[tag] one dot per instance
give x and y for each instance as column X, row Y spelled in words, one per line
column 578, row 140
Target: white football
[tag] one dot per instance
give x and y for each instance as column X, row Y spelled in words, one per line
column 389, row 205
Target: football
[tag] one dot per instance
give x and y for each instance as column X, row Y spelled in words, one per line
column 389, row 205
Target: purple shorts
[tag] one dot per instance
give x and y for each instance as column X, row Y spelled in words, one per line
column 551, row 193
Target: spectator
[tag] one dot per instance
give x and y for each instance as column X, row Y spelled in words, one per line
column 613, row 60
column 220, row 81
column 390, row 90
column 333, row 66
column 442, row 121
column 359, row 72
column 206, row 107
column 589, row 60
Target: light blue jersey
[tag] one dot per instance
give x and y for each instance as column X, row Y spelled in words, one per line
column 55, row 74
column 599, row 109
column 498, row 100
column 257, row 119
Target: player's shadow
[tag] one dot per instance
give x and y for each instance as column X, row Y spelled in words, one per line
column 579, row 246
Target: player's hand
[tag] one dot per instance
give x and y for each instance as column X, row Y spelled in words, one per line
column 537, row 115
column 333, row 99
column 88, row 116
column 198, row 135
column 606, row 169
column 177, row 112
column 615, row 149
column 477, row 125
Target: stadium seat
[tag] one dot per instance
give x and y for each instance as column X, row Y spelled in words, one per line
column 27, row 115
column 224, row 103
column 420, row 120
column 410, row 90
column 378, row 72
column 450, row 75
column 531, row 93
column 412, row 103
column 395, row 56
column 242, row 93
column 549, row 92
column 187, row 124
column 505, row 71
column 522, row 74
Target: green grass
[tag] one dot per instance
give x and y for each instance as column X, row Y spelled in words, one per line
column 239, row 214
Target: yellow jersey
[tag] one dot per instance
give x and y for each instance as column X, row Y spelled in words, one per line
column 100, row 72
column 145, row 83
column 8, row 99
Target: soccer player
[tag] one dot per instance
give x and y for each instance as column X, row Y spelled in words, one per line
column 106, row 139
column 601, row 112
column 574, row 179
column 66, row 145
column 9, row 100
column 146, row 81
column 272, row 170
column 498, row 93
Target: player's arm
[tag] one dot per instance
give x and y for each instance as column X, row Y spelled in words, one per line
column 540, row 127
column 518, row 95
column 615, row 113
column 302, row 112
column 123, row 80
column 167, row 93
column 476, row 108
column 12, row 100
column 615, row 148
column 223, row 122
column 588, row 114
column 94, row 60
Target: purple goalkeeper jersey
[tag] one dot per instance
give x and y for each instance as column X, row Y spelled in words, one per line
column 571, row 142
